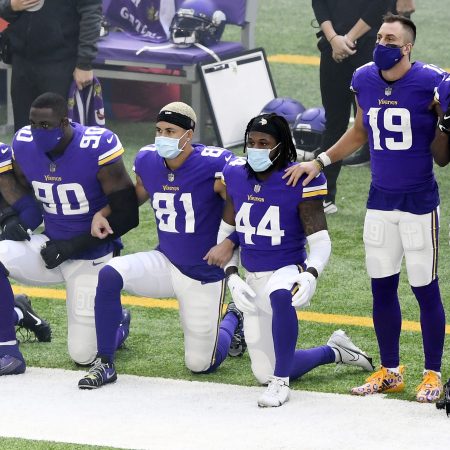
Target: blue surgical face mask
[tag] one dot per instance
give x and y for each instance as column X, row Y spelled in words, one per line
column 47, row 140
column 167, row 147
column 386, row 57
column 259, row 159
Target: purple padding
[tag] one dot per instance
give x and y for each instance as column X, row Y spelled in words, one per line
column 121, row 47
column 233, row 9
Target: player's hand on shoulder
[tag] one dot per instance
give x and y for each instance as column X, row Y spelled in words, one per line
column 100, row 227
column 55, row 252
column 241, row 293
column 220, row 254
column 306, row 283
column 294, row 172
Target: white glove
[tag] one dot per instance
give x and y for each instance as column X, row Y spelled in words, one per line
column 241, row 291
column 307, row 283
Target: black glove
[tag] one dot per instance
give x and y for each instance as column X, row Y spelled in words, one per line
column 55, row 252
column 11, row 227
column 444, row 123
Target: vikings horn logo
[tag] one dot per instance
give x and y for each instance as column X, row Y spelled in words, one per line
column 263, row 121
column 152, row 14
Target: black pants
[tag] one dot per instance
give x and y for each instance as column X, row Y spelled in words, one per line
column 337, row 99
column 31, row 79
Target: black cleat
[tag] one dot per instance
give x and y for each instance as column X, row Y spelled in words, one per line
column 31, row 321
column 444, row 402
column 238, row 344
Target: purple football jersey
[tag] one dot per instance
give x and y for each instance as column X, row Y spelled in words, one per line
column 442, row 94
column 401, row 128
column 68, row 187
column 187, row 210
column 144, row 19
column 270, row 231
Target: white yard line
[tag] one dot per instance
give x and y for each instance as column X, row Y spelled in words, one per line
column 154, row 413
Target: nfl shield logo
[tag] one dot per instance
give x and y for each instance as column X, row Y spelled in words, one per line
column 257, row 188
column 388, row 91
column 171, row 177
column 52, row 167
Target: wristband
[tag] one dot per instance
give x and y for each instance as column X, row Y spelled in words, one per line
column 324, row 159
column 333, row 38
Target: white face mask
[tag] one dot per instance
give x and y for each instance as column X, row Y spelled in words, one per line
column 167, row 147
column 259, row 158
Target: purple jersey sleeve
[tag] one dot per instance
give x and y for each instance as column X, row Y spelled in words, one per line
column 268, row 224
column 5, row 158
column 442, row 93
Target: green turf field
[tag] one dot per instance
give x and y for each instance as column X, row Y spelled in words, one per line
column 155, row 346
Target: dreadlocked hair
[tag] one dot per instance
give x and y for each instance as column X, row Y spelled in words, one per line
column 287, row 152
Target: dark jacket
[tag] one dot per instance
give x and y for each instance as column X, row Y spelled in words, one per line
column 60, row 30
column 345, row 13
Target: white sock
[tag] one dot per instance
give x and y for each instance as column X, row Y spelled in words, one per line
column 394, row 369
column 19, row 313
column 285, row 379
column 337, row 355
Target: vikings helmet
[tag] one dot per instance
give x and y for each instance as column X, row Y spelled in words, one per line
column 197, row 21
column 307, row 133
column 287, row 107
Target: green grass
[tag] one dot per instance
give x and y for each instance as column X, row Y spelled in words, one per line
column 155, row 345
column 19, row 444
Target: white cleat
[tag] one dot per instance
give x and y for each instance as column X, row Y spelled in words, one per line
column 276, row 394
column 350, row 354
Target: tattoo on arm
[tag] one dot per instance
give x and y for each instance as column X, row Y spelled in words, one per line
column 312, row 216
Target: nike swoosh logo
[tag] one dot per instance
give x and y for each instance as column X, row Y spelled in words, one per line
column 110, row 140
column 95, row 263
column 445, row 118
column 109, row 375
column 38, row 321
column 228, row 158
column 4, row 150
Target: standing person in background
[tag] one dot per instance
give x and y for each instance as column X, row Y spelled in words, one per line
column 347, row 38
column 402, row 220
column 52, row 42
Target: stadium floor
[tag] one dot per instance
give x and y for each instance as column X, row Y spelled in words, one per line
column 155, row 413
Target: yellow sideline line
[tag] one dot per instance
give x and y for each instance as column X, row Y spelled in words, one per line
column 301, row 59
column 337, row 319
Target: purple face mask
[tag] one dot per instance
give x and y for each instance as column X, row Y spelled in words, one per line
column 386, row 57
column 46, row 140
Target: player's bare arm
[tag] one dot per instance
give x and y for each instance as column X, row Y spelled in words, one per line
column 312, row 216
column 351, row 141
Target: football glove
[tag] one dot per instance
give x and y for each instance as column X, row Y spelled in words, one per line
column 13, row 230
column 444, row 123
column 55, row 252
column 241, row 291
column 306, row 283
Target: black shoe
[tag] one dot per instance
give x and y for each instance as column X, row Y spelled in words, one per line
column 238, row 344
column 31, row 321
column 360, row 158
column 99, row 374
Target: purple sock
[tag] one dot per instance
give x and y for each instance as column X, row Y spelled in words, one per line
column 432, row 321
column 387, row 318
column 307, row 360
column 108, row 311
column 284, row 331
column 226, row 331
column 7, row 330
